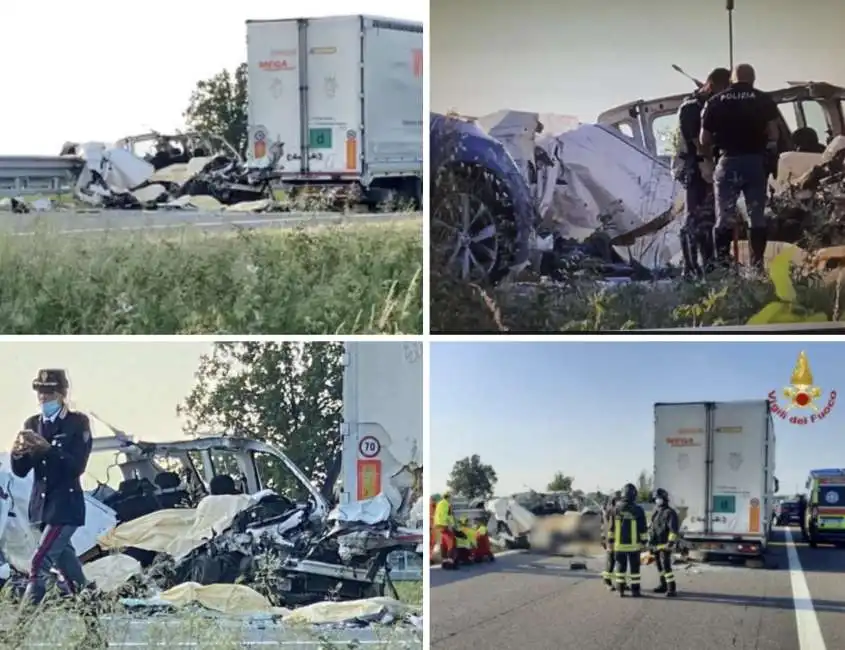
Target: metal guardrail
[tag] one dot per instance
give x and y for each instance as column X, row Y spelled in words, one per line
column 797, row 328
column 33, row 175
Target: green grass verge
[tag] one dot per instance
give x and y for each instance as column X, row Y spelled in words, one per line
column 332, row 280
column 729, row 299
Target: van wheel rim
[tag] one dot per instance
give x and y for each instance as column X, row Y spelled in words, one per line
column 464, row 233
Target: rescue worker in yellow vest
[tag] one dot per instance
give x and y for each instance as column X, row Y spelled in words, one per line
column 432, row 509
column 444, row 526
column 483, row 550
column 663, row 539
column 630, row 533
column 465, row 541
column 607, row 541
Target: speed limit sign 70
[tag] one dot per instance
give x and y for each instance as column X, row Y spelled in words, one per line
column 369, row 447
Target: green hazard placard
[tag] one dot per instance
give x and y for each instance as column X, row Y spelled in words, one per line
column 320, row 138
column 724, row 504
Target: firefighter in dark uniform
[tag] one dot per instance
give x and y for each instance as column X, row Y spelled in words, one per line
column 663, row 539
column 697, row 178
column 55, row 445
column 630, row 533
column 607, row 541
column 742, row 123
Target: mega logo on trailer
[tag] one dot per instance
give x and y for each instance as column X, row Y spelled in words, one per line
column 805, row 402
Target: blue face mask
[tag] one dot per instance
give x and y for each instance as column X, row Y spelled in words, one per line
column 49, row 409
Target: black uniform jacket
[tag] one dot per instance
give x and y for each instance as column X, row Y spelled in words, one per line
column 57, row 497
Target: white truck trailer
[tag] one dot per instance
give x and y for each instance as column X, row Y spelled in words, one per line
column 717, row 461
column 382, row 422
column 344, row 95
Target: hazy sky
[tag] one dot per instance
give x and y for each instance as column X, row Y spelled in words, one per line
column 98, row 70
column 587, row 409
column 134, row 386
column 580, row 57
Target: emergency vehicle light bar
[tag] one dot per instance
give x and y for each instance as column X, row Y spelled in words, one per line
column 827, row 473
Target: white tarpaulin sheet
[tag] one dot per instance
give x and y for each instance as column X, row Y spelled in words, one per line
column 593, row 177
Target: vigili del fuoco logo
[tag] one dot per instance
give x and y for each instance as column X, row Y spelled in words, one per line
column 806, row 402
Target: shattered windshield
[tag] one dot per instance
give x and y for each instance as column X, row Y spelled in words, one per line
column 274, row 475
column 665, row 130
column 788, row 112
column 815, row 119
column 103, row 469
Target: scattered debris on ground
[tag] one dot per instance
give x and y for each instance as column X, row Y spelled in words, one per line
column 597, row 210
column 162, row 542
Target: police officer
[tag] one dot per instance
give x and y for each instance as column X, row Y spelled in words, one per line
column 663, row 538
column 607, row 540
column 742, row 124
column 802, row 514
column 696, row 175
column 630, row 533
column 55, row 445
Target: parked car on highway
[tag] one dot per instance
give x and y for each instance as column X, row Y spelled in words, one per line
column 482, row 211
column 788, row 513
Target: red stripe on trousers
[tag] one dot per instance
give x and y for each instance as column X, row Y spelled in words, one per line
column 38, row 559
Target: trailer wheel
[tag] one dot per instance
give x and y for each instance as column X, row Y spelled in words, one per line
column 473, row 228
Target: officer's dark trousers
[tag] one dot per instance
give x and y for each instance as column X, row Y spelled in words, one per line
column 56, row 551
column 697, row 231
column 628, row 560
column 664, row 568
column 749, row 177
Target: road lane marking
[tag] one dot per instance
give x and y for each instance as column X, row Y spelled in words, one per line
column 498, row 554
column 809, row 631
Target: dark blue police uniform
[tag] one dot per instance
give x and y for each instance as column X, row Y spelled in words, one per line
column 700, row 219
column 737, row 119
column 57, row 502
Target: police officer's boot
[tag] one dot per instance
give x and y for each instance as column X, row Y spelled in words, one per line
column 672, row 590
column 690, row 255
column 33, row 595
column 661, row 589
column 621, row 587
column 609, row 584
column 635, row 590
column 757, row 240
column 704, row 241
column 723, row 240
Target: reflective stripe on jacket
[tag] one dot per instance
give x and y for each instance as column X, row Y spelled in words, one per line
column 630, row 531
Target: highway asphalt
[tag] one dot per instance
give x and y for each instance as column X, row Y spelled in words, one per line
column 168, row 220
column 526, row 600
